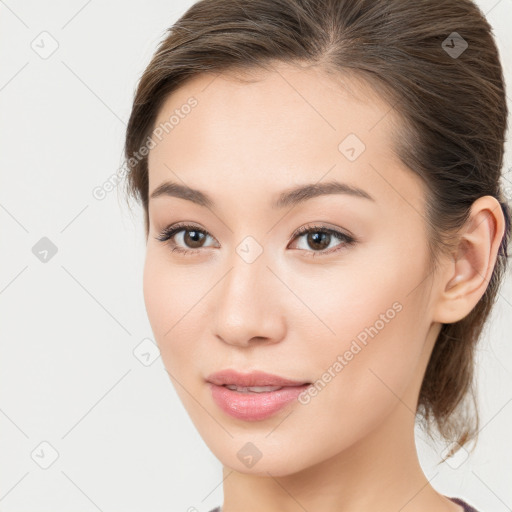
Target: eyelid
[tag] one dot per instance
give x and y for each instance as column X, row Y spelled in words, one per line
column 346, row 239
column 176, row 228
column 169, row 232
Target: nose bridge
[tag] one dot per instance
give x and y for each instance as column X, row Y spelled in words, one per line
column 243, row 310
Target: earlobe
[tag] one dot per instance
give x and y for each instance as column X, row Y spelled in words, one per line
column 467, row 275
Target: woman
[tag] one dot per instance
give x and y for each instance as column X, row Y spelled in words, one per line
column 326, row 235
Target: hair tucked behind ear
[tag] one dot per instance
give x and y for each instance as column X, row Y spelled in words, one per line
column 452, row 110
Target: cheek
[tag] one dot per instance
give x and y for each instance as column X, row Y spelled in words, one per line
column 174, row 298
column 364, row 376
column 375, row 319
column 347, row 302
column 382, row 358
column 156, row 292
column 164, row 300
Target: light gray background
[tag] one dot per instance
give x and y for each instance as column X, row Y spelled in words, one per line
column 71, row 327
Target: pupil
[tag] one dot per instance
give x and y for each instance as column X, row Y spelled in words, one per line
column 189, row 237
column 314, row 238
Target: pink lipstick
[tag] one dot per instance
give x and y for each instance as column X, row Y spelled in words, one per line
column 253, row 396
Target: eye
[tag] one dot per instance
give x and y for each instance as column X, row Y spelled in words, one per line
column 192, row 237
column 320, row 239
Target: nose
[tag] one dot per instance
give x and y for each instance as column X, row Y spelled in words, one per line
column 250, row 306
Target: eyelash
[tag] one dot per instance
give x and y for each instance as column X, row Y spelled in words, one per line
column 167, row 234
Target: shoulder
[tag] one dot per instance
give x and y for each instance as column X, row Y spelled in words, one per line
column 462, row 503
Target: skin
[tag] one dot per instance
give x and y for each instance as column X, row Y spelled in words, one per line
column 351, row 448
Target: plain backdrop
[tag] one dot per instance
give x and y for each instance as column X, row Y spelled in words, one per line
column 89, row 419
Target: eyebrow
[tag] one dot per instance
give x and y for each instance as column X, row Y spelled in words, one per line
column 289, row 197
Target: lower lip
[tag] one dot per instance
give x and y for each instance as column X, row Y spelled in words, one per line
column 254, row 406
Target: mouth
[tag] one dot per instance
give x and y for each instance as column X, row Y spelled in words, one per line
column 253, row 396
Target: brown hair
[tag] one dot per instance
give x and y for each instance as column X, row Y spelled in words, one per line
column 452, row 110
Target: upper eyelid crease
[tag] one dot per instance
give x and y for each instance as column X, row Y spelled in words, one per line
column 347, row 239
column 176, row 228
column 290, row 197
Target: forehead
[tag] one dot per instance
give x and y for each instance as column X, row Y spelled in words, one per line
column 290, row 103
column 273, row 129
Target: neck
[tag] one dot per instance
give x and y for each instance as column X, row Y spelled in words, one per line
column 381, row 472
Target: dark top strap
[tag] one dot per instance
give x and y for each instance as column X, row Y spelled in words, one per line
column 467, row 508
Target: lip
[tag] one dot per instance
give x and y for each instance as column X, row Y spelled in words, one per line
column 254, row 378
column 253, row 406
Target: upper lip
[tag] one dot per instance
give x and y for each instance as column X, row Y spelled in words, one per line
column 255, row 378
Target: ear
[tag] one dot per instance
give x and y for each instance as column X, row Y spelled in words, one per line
column 466, row 276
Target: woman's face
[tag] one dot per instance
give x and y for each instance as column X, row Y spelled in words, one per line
column 349, row 313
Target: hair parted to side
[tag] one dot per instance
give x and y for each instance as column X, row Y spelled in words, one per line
column 452, row 112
